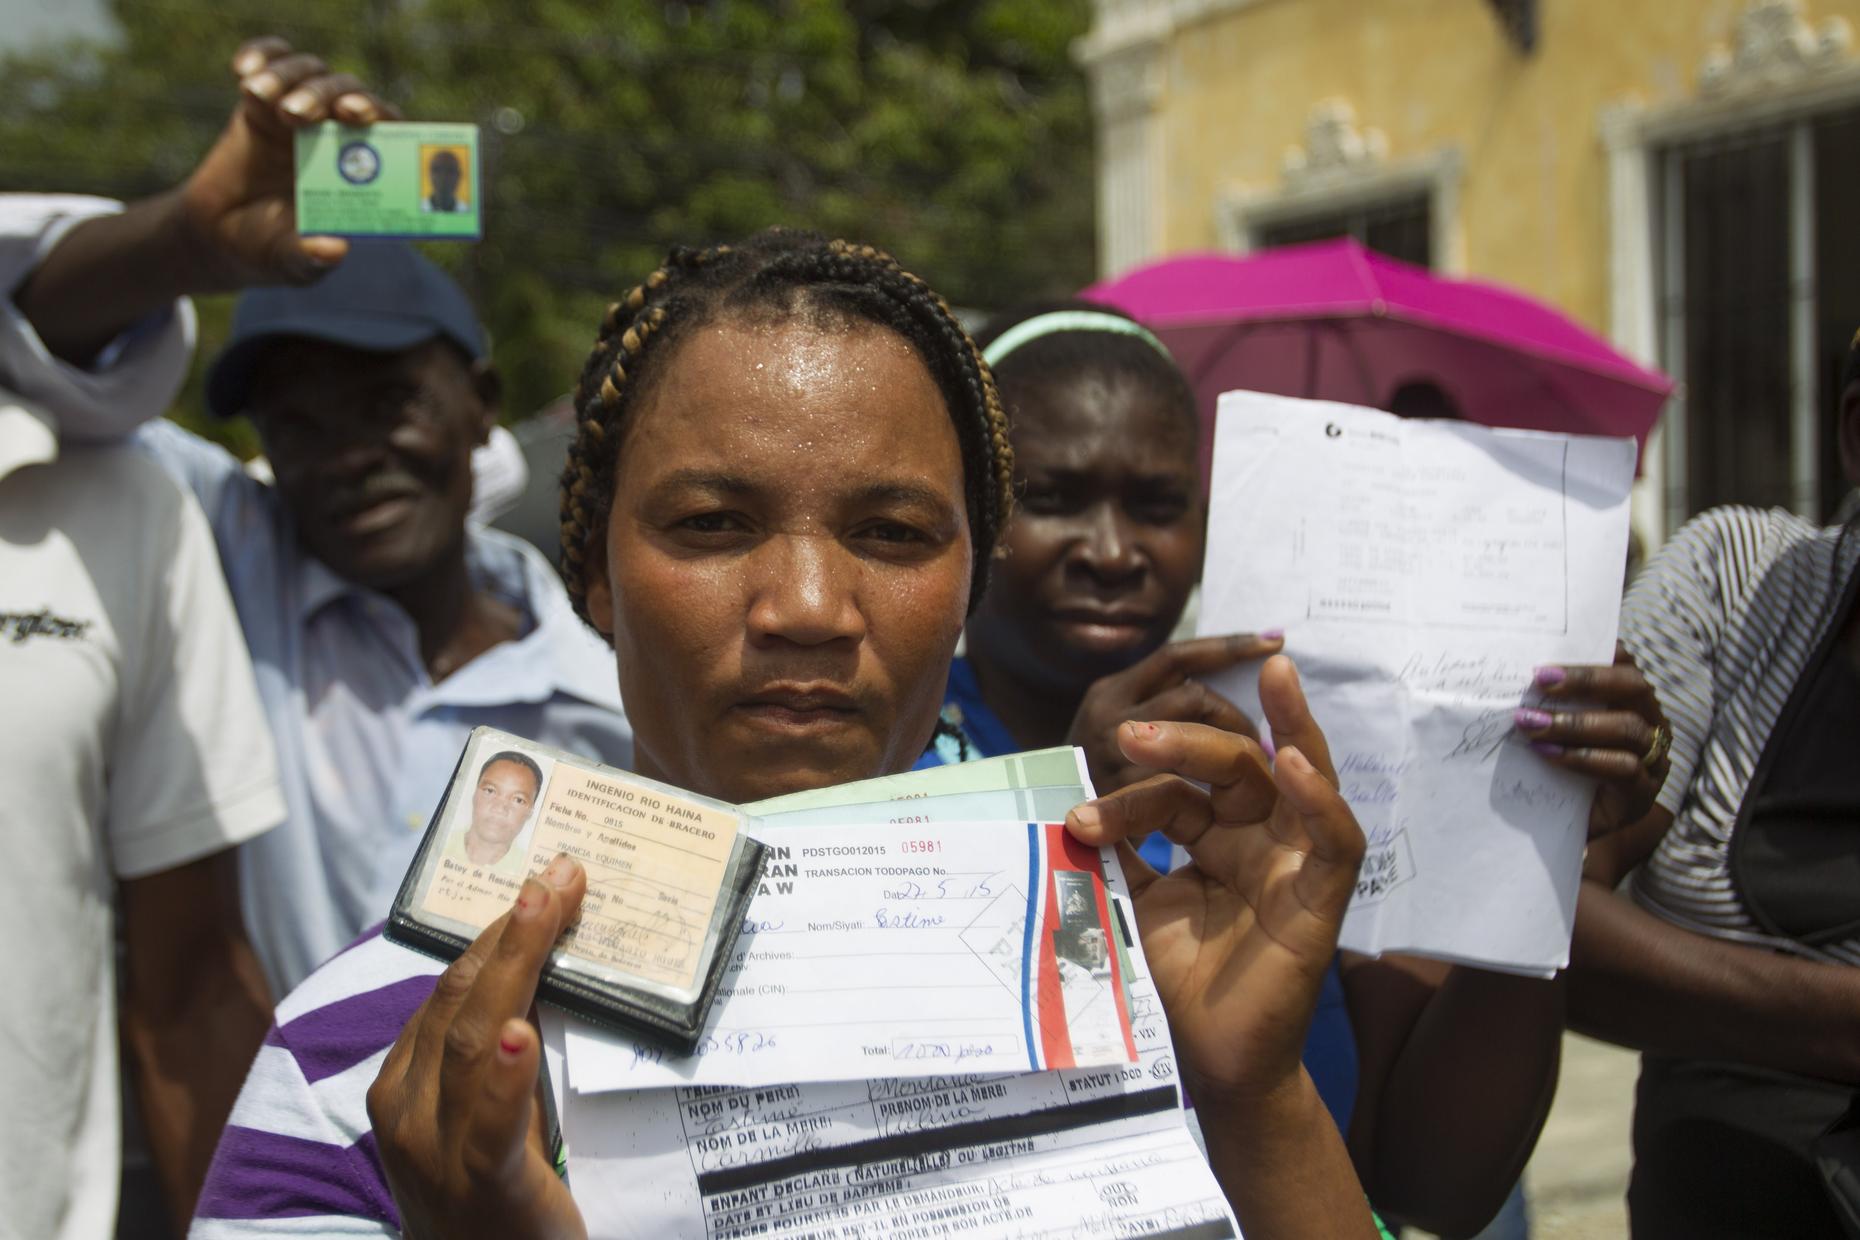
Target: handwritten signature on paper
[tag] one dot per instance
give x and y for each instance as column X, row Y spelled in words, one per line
column 1485, row 735
column 1532, row 795
column 1380, row 791
column 907, row 919
column 1473, row 676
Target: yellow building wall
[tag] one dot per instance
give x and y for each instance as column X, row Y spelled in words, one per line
column 1432, row 75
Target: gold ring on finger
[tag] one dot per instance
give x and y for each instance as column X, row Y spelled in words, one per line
column 1662, row 743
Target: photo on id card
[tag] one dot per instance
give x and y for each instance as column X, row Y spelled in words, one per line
column 669, row 874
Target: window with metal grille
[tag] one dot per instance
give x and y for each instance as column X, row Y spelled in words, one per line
column 1759, row 300
column 1399, row 227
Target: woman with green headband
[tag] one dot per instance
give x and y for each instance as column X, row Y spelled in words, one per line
column 1072, row 638
column 1101, row 557
column 1438, row 1075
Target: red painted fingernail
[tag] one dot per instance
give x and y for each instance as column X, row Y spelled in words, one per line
column 510, row 1045
column 1548, row 676
column 1548, row 749
column 529, row 899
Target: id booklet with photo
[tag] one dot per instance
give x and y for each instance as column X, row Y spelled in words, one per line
column 669, row 876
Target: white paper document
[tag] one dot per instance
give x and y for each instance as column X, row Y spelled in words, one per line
column 902, row 949
column 1422, row 571
column 1080, row 1152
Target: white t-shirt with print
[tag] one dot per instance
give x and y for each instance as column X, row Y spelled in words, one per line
column 133, row 743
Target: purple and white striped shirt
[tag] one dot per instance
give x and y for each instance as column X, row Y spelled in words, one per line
column 298, row 1157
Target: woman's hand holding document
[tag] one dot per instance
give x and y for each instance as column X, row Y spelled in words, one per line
column 1238, row 941
column 1435, row 580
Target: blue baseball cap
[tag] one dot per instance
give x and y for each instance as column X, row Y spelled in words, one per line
column 384, row 297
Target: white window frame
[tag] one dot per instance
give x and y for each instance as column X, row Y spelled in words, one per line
column 1242, row 215
column 1638, row 141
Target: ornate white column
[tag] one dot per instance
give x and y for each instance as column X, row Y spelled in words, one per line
column 1123, row 55
column 1633, row 321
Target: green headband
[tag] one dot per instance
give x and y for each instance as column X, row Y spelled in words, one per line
column 1056, row 321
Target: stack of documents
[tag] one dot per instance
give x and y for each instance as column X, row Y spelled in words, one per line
column 937, row 1019
column 1422, row 571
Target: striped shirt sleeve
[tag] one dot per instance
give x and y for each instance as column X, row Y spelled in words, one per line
column 1673, row 621
column 298, row 1157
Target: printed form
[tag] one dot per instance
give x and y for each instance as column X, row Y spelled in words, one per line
column 902, row 949
column 1083, row 1152
column 1099, row 1151
column 1422, row 571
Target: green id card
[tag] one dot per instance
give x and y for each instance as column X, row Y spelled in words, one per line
column 396, row 179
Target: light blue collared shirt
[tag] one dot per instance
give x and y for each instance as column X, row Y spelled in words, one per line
column 366, row 740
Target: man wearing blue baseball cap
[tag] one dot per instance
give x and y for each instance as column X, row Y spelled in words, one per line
column 383, row 625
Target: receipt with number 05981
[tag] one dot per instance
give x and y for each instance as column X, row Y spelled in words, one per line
column 904, row 949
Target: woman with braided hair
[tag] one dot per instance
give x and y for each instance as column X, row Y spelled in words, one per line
column 791, row 475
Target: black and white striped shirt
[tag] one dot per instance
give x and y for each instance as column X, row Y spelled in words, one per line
column 1723, row 621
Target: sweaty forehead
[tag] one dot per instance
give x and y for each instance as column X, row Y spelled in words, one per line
column 796, row 397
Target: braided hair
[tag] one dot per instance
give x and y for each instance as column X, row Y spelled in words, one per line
column 777, row 273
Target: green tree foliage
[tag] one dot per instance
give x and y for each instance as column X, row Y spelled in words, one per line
column 954, row 132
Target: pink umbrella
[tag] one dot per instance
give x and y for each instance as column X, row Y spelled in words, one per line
column 1335, row 321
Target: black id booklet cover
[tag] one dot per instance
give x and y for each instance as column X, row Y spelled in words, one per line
column 669, row 875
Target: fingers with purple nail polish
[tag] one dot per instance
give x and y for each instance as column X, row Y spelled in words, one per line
column 1530, row 719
